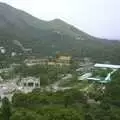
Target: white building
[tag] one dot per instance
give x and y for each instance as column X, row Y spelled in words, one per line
column 107, row 66
column 68, row 76
column 1, row 79
column 29, row 83
column 85, row 76
column 107, row 78
column 2, row 50
column 7, row 90
column 13, row 54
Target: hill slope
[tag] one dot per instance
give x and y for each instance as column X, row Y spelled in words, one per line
column 49, row 37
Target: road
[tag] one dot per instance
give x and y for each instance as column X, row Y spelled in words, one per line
column 55, row 86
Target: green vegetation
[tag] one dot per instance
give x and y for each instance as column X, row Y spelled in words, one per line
column 47, row 74
column 66, row 105
column 48, row 106
column 101, row 72
column 6, row 109
column 86, row 101
column 48, row 38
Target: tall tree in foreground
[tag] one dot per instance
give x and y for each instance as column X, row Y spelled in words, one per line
column 6, row 109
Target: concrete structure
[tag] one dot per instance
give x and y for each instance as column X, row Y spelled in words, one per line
column 68, row 76
column 64, row 60
column 29, row 83
column 1, row 79
column 59, row 61
column 13, row 54
column 5, row 70
column 7, row 90
column 107, row 66
column 94, row 79
column 108, row 75
column 31, row 62
column 59, row 64
column 85, row 76
column 87, row 67
column 2, row 50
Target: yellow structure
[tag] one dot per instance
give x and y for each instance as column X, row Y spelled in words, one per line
column 65, row 60
column 61, row 60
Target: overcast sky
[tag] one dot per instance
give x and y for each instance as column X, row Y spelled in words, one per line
column 100, row 18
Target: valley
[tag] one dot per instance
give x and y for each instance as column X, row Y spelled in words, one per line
column 51, row 70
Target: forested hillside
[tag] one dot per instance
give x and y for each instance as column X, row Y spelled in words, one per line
column 50, row 37
column 68, row 105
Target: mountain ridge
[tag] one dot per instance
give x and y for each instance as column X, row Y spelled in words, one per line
column 34, row 21
column 49, row 37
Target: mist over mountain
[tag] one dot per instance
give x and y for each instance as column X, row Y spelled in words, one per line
column 49, row 37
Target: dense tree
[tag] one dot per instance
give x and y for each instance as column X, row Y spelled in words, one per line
column 6, row 109
column 67, row 100
column 26, row 115
column 56, row 113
